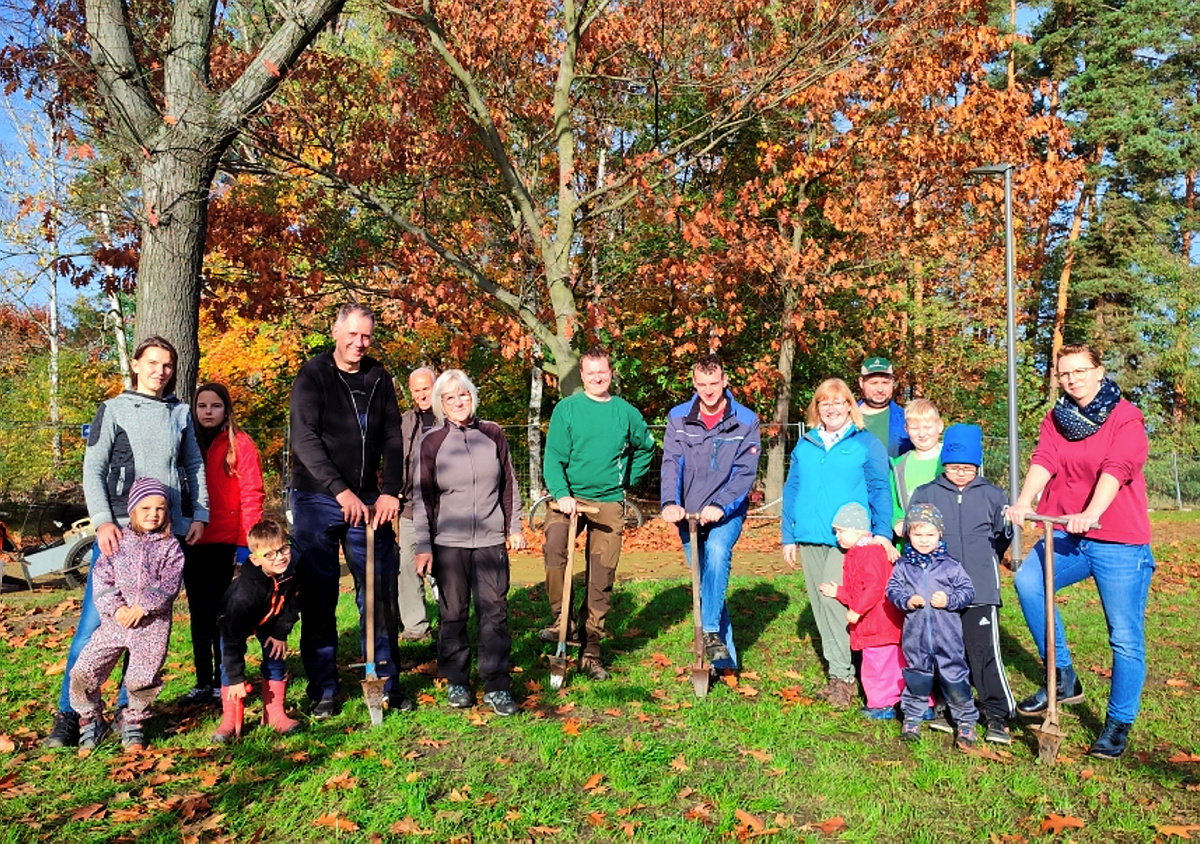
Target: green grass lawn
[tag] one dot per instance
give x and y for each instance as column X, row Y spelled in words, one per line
column 638, row 757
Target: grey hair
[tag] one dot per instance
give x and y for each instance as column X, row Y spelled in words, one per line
column 421, row 369
column 353, row 309
column 448, row 379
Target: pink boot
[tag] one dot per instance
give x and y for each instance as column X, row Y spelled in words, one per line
column 273, row 694
column 232, row 712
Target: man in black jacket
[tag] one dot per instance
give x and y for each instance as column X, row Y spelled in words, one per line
column 345, row 423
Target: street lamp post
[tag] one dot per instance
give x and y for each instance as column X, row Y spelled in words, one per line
column 1010, row 256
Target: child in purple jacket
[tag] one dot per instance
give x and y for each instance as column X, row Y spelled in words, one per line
column 932, row 588
column 134, row 591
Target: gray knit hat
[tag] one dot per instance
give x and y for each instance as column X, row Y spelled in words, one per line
column 924, row 514
column 852, row 516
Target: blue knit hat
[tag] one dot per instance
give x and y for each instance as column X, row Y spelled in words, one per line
column 963, row 444
column 144, row 488
column 852, row 516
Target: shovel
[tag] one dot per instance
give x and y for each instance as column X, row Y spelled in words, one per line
column 1050, row 735
column 372, row 685
column 558, row 662
column 700, row 672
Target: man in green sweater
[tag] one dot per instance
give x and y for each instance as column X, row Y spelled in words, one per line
column 597, row 447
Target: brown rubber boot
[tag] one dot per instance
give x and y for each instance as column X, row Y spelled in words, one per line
column 274, row 716
column 231, row 719
column 841, row 694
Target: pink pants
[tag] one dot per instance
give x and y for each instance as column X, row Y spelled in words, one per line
column 882, row 675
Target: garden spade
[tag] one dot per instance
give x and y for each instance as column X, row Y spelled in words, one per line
column 700, row 671
column 558, row 662
column 372, row 684
column 1050, row 735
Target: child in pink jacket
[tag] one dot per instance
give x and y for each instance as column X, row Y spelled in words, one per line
column 875, row 625
column 134, row 591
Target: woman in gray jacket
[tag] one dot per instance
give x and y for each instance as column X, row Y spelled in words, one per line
column 467, row 517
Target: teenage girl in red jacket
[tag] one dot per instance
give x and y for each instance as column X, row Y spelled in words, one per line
column 235, row 492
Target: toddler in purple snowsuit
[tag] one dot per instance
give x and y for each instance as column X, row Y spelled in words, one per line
column 134, row 590
column 932, row 588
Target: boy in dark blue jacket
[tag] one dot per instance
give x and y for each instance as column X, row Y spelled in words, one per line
column 932, row 588
column 977, row 535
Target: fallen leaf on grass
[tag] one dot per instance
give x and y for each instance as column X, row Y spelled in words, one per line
column 336, row 821
column 829, row 827
column 426, row 699
column 342, row 780
column 1180, row 831
column 457, row 796
column 628, row 810
column 1182, row 756
column 629, row 827
column 685, row 793
column 731, row 680
column 746, row 691
column 660, row 659
column 595, row 820
column 413, row 776
column 93, row 811
column 536, row 831
column 57, row 668
column 679, row 764
column 8, row 780
column 408, row 826
column 593, row 781
column 572, row 726
column 511, row 815
column 760, row 755
column 616, row 713
column 564, row 709
column 300, row 756
column 701, row 812
column 752, row 822
column 1055, row 824
column 503, row 760
column 1178, row 683
column 7, row 745
column 435, row 743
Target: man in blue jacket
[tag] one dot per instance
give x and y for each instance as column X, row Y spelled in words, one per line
column 884, row 418
column 710, row 459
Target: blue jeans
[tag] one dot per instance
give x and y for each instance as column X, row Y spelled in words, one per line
column 320, row 533
column 89, row 623
column 273, row 668
column 715, row 559
column 1122, row 574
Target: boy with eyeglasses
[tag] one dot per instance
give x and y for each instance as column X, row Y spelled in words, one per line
column 976, row 534
column 262, row 602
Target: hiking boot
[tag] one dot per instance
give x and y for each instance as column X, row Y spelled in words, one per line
column 591, row 668
column 997, row 731
column 550, row 634
column 1070, row 690
column 1112, row 740
column 322, row 709
column 937, row 720
column 131, row 736
column 91, row 733
column 501, row 702
column 398, row 702
column 714, row 647
column 910, row 730
column 200, row 696
column 65, row 732
column 460, row 697
column 841, row 694
column 967, row 737
column 416, row 638
column 878, row 713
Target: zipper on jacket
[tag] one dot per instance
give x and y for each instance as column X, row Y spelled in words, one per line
column 362, row 427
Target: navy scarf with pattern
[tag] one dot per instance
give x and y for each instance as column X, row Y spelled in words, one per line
column 1077, row 423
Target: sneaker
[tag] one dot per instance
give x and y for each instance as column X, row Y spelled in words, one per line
column 878, row 713
column 92, row 733
column 131, row 736
column 460, row 697
column 550, row 634
column 997, row 731
column 501, row 702
column 910, row 730
column 967, row 736
column 322, row 709
column 936, row 720
column 714, row 647
column 1112, row 741
column 65, row 732
column 416, row 638
column 200, row 696
column 591, row 668
column 400, row 703
column 1070, row 690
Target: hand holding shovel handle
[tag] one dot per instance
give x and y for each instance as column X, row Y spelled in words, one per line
column 558, row 662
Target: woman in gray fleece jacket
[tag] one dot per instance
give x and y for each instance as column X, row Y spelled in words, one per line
column 467, row 517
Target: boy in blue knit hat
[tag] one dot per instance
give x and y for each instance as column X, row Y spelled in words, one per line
column 976, row 534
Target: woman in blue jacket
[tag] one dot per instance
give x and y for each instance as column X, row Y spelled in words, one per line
column 835, row 462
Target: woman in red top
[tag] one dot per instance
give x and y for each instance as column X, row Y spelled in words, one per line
column 1088, row 468
column 235, row 493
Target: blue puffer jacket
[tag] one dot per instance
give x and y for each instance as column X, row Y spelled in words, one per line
column 931, row 636
column 703, row 466
column 820, row 482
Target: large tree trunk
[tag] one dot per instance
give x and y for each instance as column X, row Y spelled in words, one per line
column 777, row 432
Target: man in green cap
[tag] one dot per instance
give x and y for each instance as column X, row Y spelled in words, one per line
column 884, row 418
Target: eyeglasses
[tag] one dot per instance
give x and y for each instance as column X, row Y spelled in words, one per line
column 1075, row 373
column 277, row 554
column 961, row 468
column 456, row 398
column 831, row 405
